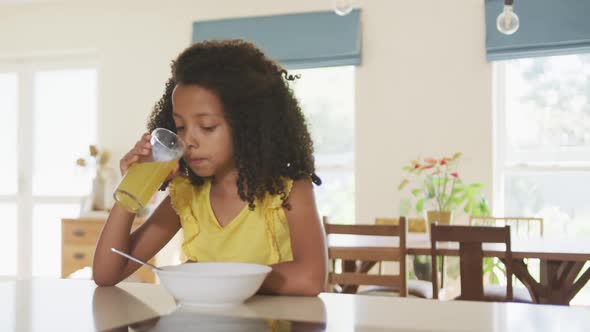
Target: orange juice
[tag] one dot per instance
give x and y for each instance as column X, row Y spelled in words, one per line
column 141, row 182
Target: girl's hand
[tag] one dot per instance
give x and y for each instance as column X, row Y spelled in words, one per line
column 140, row 152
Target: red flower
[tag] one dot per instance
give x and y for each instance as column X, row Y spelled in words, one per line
column 455, row 175
column 443, row 162
column 417, row 166
column 428, row 166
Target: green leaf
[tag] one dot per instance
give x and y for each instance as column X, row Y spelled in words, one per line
column 488, row 265
column 484, row 207
column 420, row 205
column 480, row 208
column 456, row 190
column 474, row 187
column 403, row 184
column 437, row 181
column 417, row 192
column 429, row 187
column 494, row 279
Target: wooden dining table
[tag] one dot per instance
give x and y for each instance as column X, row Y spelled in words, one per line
column 562, row 260
column 79, row 305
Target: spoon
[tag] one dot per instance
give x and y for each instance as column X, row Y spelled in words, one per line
column 135, row 259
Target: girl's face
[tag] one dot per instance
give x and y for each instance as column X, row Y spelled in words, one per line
column 200, row 122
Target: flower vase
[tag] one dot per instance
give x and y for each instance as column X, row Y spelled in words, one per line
column 102, row 188
column 98, row 189
column 442, row 217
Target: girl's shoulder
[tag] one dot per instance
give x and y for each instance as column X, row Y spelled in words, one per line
column 277, row 201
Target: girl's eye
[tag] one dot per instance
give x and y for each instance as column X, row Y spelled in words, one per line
column 179, row 129
column 209, row 128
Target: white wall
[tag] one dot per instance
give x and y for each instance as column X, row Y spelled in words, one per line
column 424, row 87
column 424, row 90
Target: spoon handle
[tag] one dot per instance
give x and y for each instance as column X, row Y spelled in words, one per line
column 135, row 259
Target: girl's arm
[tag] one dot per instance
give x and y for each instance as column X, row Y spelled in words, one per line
column 108, row 268
column 306, row 274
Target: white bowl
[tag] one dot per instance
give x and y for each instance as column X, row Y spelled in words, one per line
column 213, row 284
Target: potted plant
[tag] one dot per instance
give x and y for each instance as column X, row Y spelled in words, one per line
column 439, row 190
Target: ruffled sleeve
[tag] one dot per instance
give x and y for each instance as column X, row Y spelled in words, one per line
column 273, row 210
column 182, row 193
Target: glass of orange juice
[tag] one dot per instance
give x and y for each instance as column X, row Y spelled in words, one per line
column 142, row 179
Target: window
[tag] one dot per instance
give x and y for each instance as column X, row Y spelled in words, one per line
column 50, row 110
column 326, row 96
column 64, row 125
column 543, row 141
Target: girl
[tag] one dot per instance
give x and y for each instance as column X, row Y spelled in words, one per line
column 243, row 190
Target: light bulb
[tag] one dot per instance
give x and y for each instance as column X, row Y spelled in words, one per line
column 342, row 7
column 507, row 22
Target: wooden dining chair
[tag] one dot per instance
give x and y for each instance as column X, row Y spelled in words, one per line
column 470, row 239
column 414, row 225
column 420, row 287
column 352, row 274
column 531, row 226
column 525, row 227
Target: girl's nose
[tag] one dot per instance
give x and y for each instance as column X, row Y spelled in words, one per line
column 189, row 140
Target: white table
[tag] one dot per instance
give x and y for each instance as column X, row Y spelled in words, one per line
column 77, row 305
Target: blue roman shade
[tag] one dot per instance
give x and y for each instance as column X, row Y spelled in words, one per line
column 547, row 27
column 318, row 39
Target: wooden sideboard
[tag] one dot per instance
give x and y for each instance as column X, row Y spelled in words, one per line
column 79, row 238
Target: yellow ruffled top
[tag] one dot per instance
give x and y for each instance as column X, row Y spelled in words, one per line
column 253, row 236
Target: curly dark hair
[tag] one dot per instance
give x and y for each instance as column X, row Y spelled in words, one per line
column 270, row 134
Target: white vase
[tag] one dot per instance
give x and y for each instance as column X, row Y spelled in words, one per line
column 98, row 185
column 103, row 185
